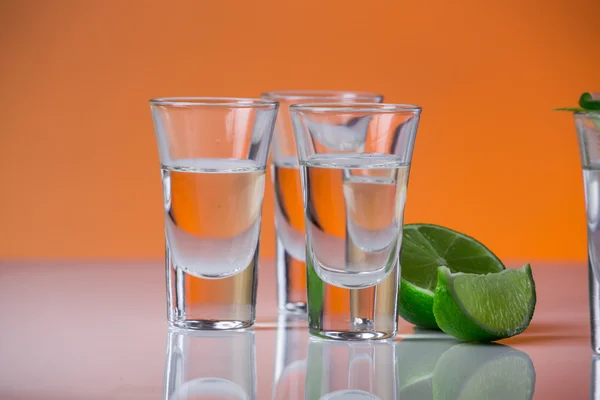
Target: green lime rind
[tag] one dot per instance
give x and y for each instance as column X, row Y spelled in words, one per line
column 316, row 371
column 483, row 371
column 484, row 308
column 425, row 247
column 415, row 305
column 589, row 101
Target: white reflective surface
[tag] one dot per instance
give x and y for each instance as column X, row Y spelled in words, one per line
column 98, row 330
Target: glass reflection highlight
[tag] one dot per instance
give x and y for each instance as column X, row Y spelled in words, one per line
column 290, row 357
column 595, row 377
column 210, row 365
column 351, row 370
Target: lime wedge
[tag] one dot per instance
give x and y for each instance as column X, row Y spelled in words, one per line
column 483, row 371
column 484, row 307
column 424, row 249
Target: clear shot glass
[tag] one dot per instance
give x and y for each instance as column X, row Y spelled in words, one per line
column 213, row 155
column 354, row 163
column 289, row 211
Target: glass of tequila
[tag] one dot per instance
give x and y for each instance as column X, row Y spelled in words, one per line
column 588, row 133
column 289, row 214
column 354, row 163
column 213, row 154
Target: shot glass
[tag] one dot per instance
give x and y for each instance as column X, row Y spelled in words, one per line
column 213, row 155
column 210, row 365
column 588, row 132
column 289, row 215
column 354, row 162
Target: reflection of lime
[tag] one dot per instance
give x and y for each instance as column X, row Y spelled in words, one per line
column 316, row 372
column 418, row 390
column 483, row 371
column 424, row 249
column 416, row 361
column 484, row 307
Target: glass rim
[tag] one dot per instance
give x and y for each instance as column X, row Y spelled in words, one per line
column 231, row 102
column 321, row 94
column 371, row 108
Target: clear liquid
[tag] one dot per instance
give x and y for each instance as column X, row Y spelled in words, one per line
column 355, row 206
column 212, row 225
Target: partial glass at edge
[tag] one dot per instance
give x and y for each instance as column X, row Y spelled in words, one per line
column 289, row 216
column 588, row 132
column 213, row 154
column 355, row 161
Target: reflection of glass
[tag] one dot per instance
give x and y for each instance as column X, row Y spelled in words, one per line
column 207, row 365
column 213, row 155
column 290, row 357
column 595, row 384
column 289, row 211
column 588, row 133
column 483, row 371
column 351, row 370
column 354, row 163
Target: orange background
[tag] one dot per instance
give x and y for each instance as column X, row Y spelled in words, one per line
column 79, row 165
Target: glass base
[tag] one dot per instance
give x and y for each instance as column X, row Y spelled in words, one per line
column 341, row 313
column 352, row 335
column 210, row 324
column 291, row 281
column 199, row 303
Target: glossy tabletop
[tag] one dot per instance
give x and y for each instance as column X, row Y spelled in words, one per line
column 97, row 330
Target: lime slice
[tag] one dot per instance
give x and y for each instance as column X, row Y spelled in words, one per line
column 483, row 371
column 484, row 307
column 424, row 249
